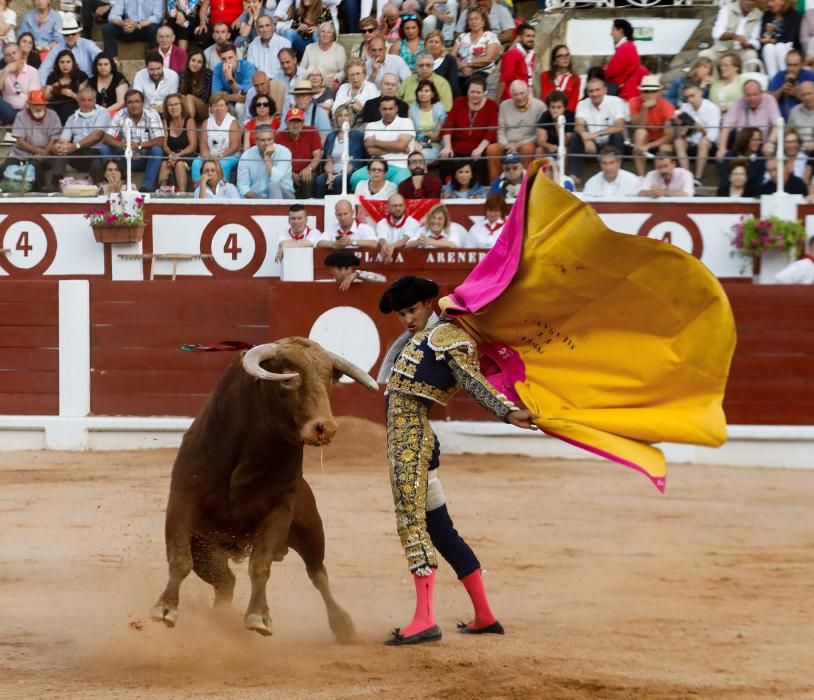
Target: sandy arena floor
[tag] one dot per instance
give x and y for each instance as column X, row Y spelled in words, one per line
column 606, row 588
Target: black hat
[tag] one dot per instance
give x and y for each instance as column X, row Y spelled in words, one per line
column 342, row 258
column 406, row 291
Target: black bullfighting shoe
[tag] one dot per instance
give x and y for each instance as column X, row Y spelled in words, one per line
column 431, row 634
column 494, row 628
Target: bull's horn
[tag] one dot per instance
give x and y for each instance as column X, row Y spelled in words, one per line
column 259, row 353
column 356, row 373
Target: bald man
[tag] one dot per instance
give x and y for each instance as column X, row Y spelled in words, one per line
column 398, row 227
column 516, row 128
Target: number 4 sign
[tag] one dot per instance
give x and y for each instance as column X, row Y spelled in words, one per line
column 26, row 243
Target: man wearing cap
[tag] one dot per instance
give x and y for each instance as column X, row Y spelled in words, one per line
column 36, row 129
column 264, row 49
column 651, row 115
column 132, row 20
column 344, row 266
column 83, row 50
column 264, row 171
column 155, row 81
column 425, row 366
column 509, row 182
column 420, row 184
column 233, row 76
column 424, row 64
column 516, row 127
column 315, row 116
column 18, row 79
column 82, row 133
column 147, row 137
column 349, row 231
column 299, row 233
column 306, row 151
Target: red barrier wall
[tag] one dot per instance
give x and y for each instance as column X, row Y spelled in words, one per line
column 29, row 338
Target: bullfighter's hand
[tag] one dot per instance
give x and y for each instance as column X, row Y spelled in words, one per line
column 522, row 419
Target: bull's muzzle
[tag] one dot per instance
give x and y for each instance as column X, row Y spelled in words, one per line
column 318, row 432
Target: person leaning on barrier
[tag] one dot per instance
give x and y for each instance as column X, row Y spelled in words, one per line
column 212, row 185
column 36, row 130
column 599, row 121
column 264, row 171
column 612, row 180
column 438, row 231
column 147, row 137
column 299, row 233
column 344, row 267
column 395, row 229
column 82, row 133
column 485, row 233
column 801, row 271
column 516, row 128
column 667, row 180
column 349, row 231
column 330, row 180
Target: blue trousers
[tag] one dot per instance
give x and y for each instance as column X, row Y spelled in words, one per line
column 7, row 112
column 297, row 42
column 149, row 162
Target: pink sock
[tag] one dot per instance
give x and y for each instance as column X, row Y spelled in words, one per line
column 477, row 592
column 424, row 617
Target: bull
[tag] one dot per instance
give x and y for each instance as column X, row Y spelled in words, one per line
column 237, row 486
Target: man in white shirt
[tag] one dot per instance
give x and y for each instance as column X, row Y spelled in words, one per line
column 736, row 28
column 382, row 62
column 701, row 138
column 155, row 81
column 801, row 271
column 485, row 232
column 391, row 138
column 599, row 120
column 349, row 231
column 83, row 131
column 395, row 229
column 299, row 233
column 612, row 181
column 264, row 49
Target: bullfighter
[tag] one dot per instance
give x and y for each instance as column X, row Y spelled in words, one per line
column 426, row 365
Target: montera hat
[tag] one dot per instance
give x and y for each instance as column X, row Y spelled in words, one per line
column 406, row 291
column 342, row 258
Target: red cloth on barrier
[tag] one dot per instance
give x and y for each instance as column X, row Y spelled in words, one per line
column 417, row 208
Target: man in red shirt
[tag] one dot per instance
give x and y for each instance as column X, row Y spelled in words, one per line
column 420, row 184
column 651, row 116
column 470, row 127
column 306, row 149
column 517, row 62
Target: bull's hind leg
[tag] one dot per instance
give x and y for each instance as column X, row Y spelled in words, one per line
column 269, row 540
column 178, row 532
column 307, row 538
column 211, row 563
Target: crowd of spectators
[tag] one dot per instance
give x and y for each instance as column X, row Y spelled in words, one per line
column 246, row 98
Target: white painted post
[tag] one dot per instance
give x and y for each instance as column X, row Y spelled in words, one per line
column 561, row 148
column 74, row 348
column 781, row 156
column 345, row 157
column 128, row 152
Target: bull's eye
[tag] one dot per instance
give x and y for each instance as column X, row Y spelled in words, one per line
column 290, row 384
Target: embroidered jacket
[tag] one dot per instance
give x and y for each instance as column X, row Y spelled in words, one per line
column 439, row 360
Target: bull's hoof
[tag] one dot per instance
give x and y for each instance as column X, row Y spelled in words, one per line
column 165, row 614
column 258, row 623
column 342, row 627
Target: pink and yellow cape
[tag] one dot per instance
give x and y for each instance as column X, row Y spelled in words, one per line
column 615, row 341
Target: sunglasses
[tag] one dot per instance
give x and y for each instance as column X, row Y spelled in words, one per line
column 262, row 104
column 404, row 18
column 369, row 30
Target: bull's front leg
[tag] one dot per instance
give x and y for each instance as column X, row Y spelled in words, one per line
column 269, row 539
column 178, row 534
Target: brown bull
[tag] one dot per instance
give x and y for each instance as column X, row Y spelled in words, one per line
column 237, row 487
